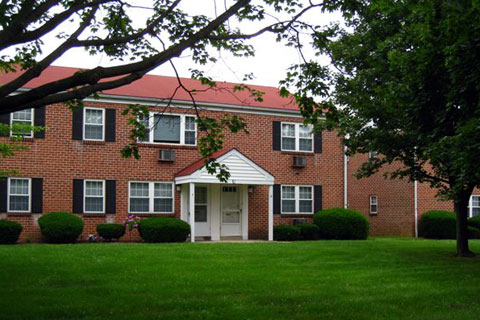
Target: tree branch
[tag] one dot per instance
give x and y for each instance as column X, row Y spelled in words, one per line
column 48, row 93
column 36, row 70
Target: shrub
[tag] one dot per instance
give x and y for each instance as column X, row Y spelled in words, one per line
column 163, row 230
column 109, row 231
column 9, row 231
column 340, row 223
column 474, row 222
column 438, row 224
column 60, row 227
column 286, row 232
column 308, row 231
column 473, row 233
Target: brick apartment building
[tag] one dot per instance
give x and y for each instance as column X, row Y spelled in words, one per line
column 279, row 171
column 394, row 207
column 76, row 165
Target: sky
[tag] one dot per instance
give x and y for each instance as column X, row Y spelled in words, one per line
column 269, row 65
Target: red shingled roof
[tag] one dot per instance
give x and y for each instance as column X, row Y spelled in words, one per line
column 162, row 87
column 199, row 163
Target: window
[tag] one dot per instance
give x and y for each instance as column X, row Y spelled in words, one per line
column 22, row 117
column 151, row 197
column 201, row 204
column 372, row 154
column 474, row 207
column 94, row 196
column 19, row 193
column 297, row 199
column 171, row 129
column 373, row 205
column 297, row 137
column 94, row 124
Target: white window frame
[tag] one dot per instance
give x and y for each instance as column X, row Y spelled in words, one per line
column 470, row 205
column 93, row 124
column 297, row 198
column 29, row 194
column 32, row 123
column 297, row 137
column 151, row 197
column 372, row 154
column 151, row 120
column 373, row 200
column 85, row 195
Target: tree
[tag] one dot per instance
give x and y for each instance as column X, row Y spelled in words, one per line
column 108, row 27
column 404, row 82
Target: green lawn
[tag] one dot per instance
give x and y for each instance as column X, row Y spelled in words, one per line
column 381, row 278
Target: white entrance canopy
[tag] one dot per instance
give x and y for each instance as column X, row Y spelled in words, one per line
column 242, row 171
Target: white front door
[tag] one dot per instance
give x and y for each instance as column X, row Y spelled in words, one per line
column 202, row 212
column 231, row 211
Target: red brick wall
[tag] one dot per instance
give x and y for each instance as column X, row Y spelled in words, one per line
column 395, row 200
column 58, row 160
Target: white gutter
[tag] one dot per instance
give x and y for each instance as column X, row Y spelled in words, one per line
column 345, row 178
column 415, row 205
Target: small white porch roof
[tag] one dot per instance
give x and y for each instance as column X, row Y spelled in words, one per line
column 242, row 171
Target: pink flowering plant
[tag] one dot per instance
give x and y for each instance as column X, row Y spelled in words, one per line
column 131, row 222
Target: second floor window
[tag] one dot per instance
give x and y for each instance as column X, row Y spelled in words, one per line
column 373, row 204
column 171, row 129
column 94, row 124
column 22, row 117
column 297, row 137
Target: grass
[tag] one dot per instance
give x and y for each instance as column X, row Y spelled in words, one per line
column 381, row 278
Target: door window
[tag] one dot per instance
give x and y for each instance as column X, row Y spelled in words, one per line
column 201, row 204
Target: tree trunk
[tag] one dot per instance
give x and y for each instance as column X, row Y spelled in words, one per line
column 461, row 211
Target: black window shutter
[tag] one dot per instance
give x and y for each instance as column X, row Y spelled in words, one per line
column 37, row 195
column 277, row 198
column 277, row 135
column 39, row 120
column 3, row 194
column 111, row 191
column 77, row 125
column 317, row 198
column 110, row 125
column 5, row 119
column 317, row 144
column 77, row 195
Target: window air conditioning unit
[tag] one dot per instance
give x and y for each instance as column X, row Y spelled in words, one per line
column 166, row 155
column 299, row 161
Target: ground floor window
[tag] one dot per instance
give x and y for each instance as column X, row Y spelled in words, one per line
column 19, row 194
column 474, row 207
column 94, row 196
column 151, row 197
column 297, row 199
column 201, row 204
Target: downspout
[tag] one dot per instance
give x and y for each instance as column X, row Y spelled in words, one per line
column 415, row 205
column 345, row 178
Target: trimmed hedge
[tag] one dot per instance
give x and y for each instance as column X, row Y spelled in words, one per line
column 473, row 233
column 474, row 222
column 109, row 231
column 308, row 231
column 340, row 223
column 60, row 227
column 163, row 229
column 9, row 231
column 286, row 232
column 438, row 224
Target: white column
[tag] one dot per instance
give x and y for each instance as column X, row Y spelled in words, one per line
column 245, row 212
column 270, row 213
column 192, row 211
